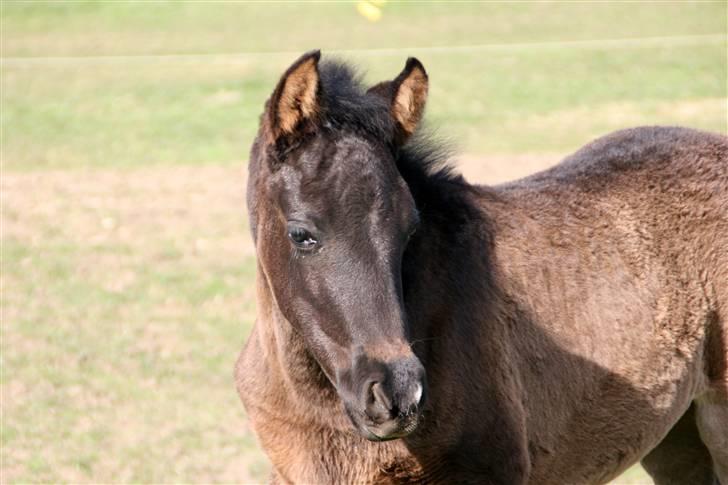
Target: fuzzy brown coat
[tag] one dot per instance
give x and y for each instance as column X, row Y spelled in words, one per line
column 601, row 322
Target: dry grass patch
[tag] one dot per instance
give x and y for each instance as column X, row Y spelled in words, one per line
column 126, row 297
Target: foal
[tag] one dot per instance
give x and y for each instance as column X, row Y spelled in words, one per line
column 415, row 328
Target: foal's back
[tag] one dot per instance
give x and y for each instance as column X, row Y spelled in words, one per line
column 619, row 255
column 664, row 189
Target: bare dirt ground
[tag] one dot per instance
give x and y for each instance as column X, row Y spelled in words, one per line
column 128, row 206
column 502, row 168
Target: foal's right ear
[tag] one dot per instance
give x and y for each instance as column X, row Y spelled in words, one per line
column 295, row 100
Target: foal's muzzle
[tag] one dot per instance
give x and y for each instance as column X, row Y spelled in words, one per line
column 384, row 399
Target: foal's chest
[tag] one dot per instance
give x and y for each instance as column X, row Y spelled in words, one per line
column 321, row 455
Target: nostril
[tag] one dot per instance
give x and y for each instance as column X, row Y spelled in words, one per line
column 379, row 405
column 380, row 397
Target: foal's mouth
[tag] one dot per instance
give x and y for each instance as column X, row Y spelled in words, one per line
column 379, row 439
column 411, row 425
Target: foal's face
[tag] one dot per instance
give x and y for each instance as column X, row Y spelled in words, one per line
column 333, row 219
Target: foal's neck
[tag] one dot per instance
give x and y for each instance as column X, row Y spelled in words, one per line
column 449, row 255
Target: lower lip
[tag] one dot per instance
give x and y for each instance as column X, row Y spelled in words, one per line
column 372, row 437
column 404, row 432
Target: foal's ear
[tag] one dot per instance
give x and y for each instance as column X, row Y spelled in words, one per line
column 296, row 98
column 407, row 95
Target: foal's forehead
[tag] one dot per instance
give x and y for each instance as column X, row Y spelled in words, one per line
column 347, row 174
column 348, row 158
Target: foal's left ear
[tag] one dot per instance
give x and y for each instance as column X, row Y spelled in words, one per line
column 296, row 98
column 407, row 95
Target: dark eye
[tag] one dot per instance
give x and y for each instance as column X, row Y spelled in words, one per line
column 412, row 230
column 301, row 238
column 414, row 225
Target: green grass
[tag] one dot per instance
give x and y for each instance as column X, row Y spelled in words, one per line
column 127, row 113
column 127, row 290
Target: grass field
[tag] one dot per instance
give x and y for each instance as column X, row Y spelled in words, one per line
column 126, row 264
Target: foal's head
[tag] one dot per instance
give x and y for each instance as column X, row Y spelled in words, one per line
column 332, row 216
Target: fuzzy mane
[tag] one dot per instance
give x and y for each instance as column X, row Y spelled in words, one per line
column 423, row 161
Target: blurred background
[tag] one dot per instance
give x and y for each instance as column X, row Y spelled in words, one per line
column 127, row 268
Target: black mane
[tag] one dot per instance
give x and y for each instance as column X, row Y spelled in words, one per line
column 423, row 161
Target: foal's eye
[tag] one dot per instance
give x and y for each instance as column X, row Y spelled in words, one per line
column 301, row 238
column 414, row 225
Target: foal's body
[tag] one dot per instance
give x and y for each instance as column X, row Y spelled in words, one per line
column 569, row 323
column 595, row 316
